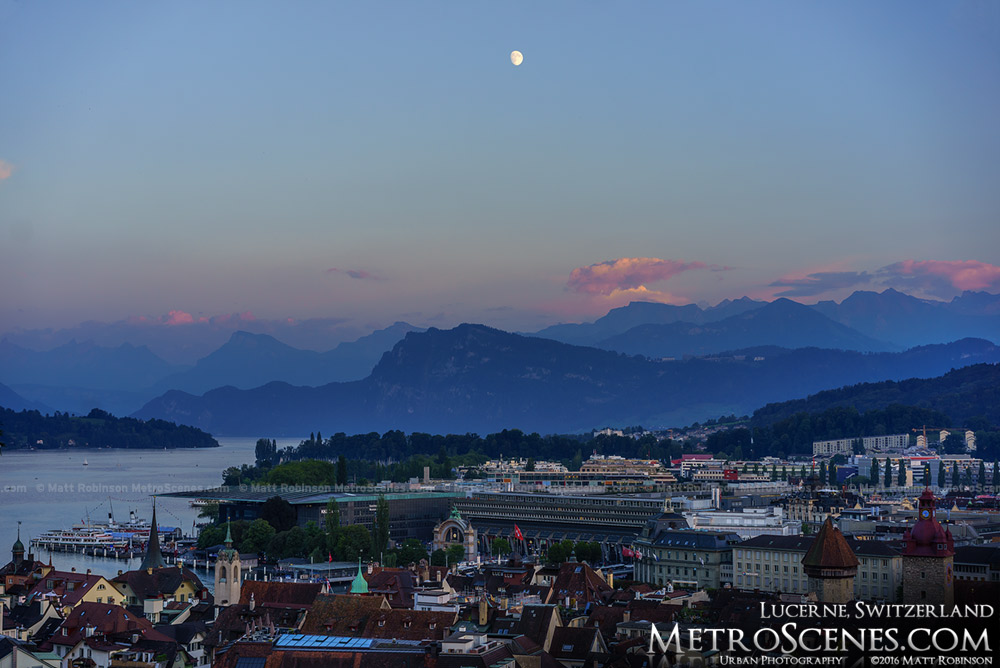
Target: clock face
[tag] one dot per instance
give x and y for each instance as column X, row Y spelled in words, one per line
column 925, row 514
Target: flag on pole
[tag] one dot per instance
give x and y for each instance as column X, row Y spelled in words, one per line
column 329, row 557
column 517, row 533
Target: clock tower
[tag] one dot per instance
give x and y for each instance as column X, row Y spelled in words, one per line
column 928, row 558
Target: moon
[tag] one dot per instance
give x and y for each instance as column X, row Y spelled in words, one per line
column 516, row 57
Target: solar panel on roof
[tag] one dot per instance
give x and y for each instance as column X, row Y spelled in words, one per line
column 251, row 662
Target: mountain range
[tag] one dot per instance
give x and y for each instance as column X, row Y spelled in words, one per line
column 962, row 394
column 475, row 378
column 78, row 376
column 781, row 323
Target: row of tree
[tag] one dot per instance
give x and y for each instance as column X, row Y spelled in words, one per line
column 99, row 429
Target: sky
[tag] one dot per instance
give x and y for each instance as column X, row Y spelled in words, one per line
column 382, row 161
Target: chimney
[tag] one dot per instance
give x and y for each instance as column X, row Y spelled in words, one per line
column 627, row 617
column 483, row 616
column 88, row 571
column 611, row 579
column 427, row 474
column 73, row 569
column 253, row 603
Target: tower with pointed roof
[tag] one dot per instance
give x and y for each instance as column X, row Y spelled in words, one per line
column 153, row 557
column 928, row 558
column 228, row 573
column 831, row 566
column 359, row 585
column 17, row 551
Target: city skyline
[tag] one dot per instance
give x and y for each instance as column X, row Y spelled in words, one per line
column 179, row 162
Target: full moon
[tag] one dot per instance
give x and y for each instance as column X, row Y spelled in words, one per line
column 516, row 57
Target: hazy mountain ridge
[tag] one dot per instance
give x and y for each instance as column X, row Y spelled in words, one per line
column 250, row 360
column 77, row 377
column 620, row 320
column 964, row 393
column 15, row 402
column 783, row 323
column 908, row 321
column 475, row 378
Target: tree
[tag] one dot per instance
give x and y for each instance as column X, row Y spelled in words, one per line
column 500, row 547
column 353, row 542
column 833, row 474
column 981, row 478
column 901, row 477
column 279, row 513
column 822, row 471
column 411, row 552
column 341, row 470
column 210, row 510
column 381, row 536
column 266, row 452
column 332, row 522
column 874, row 472
column 888, row 473
column 456, row 554
column 530, row 466
column 955, row 476
column 438, row 558
column 258, row 537
column 942, row 478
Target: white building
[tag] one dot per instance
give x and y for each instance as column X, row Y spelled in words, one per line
column 748, row 522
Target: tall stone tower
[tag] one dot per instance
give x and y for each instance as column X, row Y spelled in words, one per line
column 228, row 573
column 928, row 558
column 831, row 566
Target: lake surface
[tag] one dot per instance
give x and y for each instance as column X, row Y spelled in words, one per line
column 52, row 489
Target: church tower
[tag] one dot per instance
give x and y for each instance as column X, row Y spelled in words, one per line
column 928, row 558
column 831, row 566
column 153, row 557
column 17, row 552
column 228, row 574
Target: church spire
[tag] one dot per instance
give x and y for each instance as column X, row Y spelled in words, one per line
column 153, row 557
column 18, row 550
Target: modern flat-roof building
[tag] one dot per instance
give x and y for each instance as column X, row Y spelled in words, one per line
column 870, row 444
column 747, row 522
column 411, row 514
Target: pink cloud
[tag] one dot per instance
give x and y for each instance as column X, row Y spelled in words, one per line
column 6, row 169
column 943, row 277
column 181, row 318
column 628, row 274
column 357, row 274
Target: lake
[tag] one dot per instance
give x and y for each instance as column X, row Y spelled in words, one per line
column 52, row 489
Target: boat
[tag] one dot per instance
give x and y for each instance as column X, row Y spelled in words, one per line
column 85, row 463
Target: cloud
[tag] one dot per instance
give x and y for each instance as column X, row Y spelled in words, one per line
column 628, row 274
column 928, row 278
column 942, row 277
column 181, row 318
column 819, row 282
column 6, row 169
column 357, row 274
